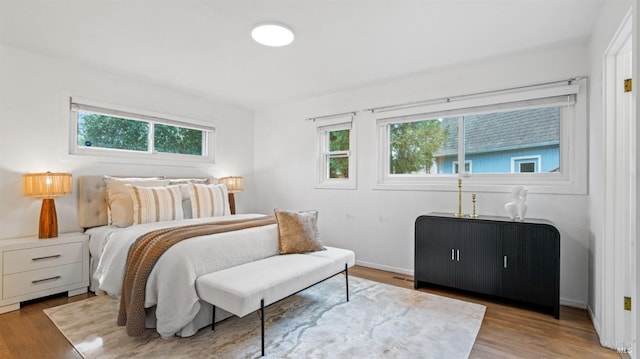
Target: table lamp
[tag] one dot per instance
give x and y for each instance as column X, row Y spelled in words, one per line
column 47, row 185
column 234, row 184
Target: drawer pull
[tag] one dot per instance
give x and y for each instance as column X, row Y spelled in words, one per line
column 45, row 279
column 452, row 255
column 47, row 257
column 505, row 261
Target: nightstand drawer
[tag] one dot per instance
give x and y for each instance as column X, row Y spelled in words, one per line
column 41, row 257
column 30, row 282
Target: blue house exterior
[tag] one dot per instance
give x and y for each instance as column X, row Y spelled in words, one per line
column 506, row 142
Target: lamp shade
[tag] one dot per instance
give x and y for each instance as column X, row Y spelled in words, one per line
column 233, row 183
column 46, row 185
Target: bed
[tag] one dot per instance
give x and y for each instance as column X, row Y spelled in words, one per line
column 171, row 301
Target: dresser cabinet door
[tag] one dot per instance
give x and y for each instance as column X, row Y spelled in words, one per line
column 478, row 264
column 434, row 252
column 530, row 269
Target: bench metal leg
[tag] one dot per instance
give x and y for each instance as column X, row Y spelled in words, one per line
column 346, row 279
column 262, row 322
column 213, row 318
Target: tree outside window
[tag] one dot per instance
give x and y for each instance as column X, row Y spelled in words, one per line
column 412, row 146
column 173, row 139
column 109, row 132
column 102, row 131
column 338, row 154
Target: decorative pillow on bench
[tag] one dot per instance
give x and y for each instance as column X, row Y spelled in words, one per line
column 298, row 231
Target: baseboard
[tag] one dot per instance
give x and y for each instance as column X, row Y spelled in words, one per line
column 385, row 268
column 594, row 321
column 573, row 303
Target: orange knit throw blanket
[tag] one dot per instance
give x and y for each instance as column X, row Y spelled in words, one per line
column 144, row 254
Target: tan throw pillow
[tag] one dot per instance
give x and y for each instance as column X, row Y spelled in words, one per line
column 209, row 200
column 119, row 202
column 298, row 231
column 156, row 204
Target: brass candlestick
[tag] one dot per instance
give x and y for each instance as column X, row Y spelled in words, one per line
column 459, row 213
column 473, row 201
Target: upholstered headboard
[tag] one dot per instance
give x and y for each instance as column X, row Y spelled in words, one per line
column 92, row 199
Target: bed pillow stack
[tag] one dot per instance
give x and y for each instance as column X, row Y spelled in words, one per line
column 143, row 200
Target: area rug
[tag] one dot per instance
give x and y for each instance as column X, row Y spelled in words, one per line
column 379, row 321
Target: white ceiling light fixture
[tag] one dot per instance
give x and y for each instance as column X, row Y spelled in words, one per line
column 272, row 34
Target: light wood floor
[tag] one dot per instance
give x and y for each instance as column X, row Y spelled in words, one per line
column 507, row 331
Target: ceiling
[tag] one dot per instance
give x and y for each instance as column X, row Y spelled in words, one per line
column 204, row 46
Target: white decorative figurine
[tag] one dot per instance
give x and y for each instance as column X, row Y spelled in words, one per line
column 517, row 208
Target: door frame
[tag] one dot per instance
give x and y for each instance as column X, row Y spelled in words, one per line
column 618, row 260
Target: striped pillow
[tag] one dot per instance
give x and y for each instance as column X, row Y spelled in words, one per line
column 209, row 200
column 156, row 204
column 119, row 204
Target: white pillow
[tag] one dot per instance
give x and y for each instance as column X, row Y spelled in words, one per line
column 209, row 200
column 119, row 204
column 156, row 204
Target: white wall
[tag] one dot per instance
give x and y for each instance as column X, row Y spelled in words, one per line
column 610, row 20
column 378, row 224
column 34, row 95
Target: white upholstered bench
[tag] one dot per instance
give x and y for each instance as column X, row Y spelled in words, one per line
column 252, row 286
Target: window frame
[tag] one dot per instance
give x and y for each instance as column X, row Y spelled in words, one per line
column 130, row 156
column 573, row 143
column 323, row 129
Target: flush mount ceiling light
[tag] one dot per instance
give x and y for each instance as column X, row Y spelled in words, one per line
column 272, row 34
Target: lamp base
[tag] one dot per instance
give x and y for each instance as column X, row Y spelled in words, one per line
column 232, row 203
column 48, row 219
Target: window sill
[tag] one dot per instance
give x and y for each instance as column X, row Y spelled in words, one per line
column 484, row 185
column 159, row 160
column 350, row 185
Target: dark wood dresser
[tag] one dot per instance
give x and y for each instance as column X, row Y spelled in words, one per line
column 490, row 255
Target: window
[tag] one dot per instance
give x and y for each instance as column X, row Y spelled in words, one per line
column 102, row 131
column 529, row 134
column 336, row 168
column 337, row 155
column 467, row 167
column 491, row 141
column 527, row 164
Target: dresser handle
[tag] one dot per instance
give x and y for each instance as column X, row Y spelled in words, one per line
column 458, row 254
column 505, row 261
column 45, row 279
column 47, row 257
column 452, row 255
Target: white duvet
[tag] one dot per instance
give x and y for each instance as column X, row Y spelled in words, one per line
column 171, row 284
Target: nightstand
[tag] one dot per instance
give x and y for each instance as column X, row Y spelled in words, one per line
column 31, row 268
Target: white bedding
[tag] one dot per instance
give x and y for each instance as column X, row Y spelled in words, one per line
column 171, row 284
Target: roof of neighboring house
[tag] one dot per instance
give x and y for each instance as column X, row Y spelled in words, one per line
column 505, row 130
